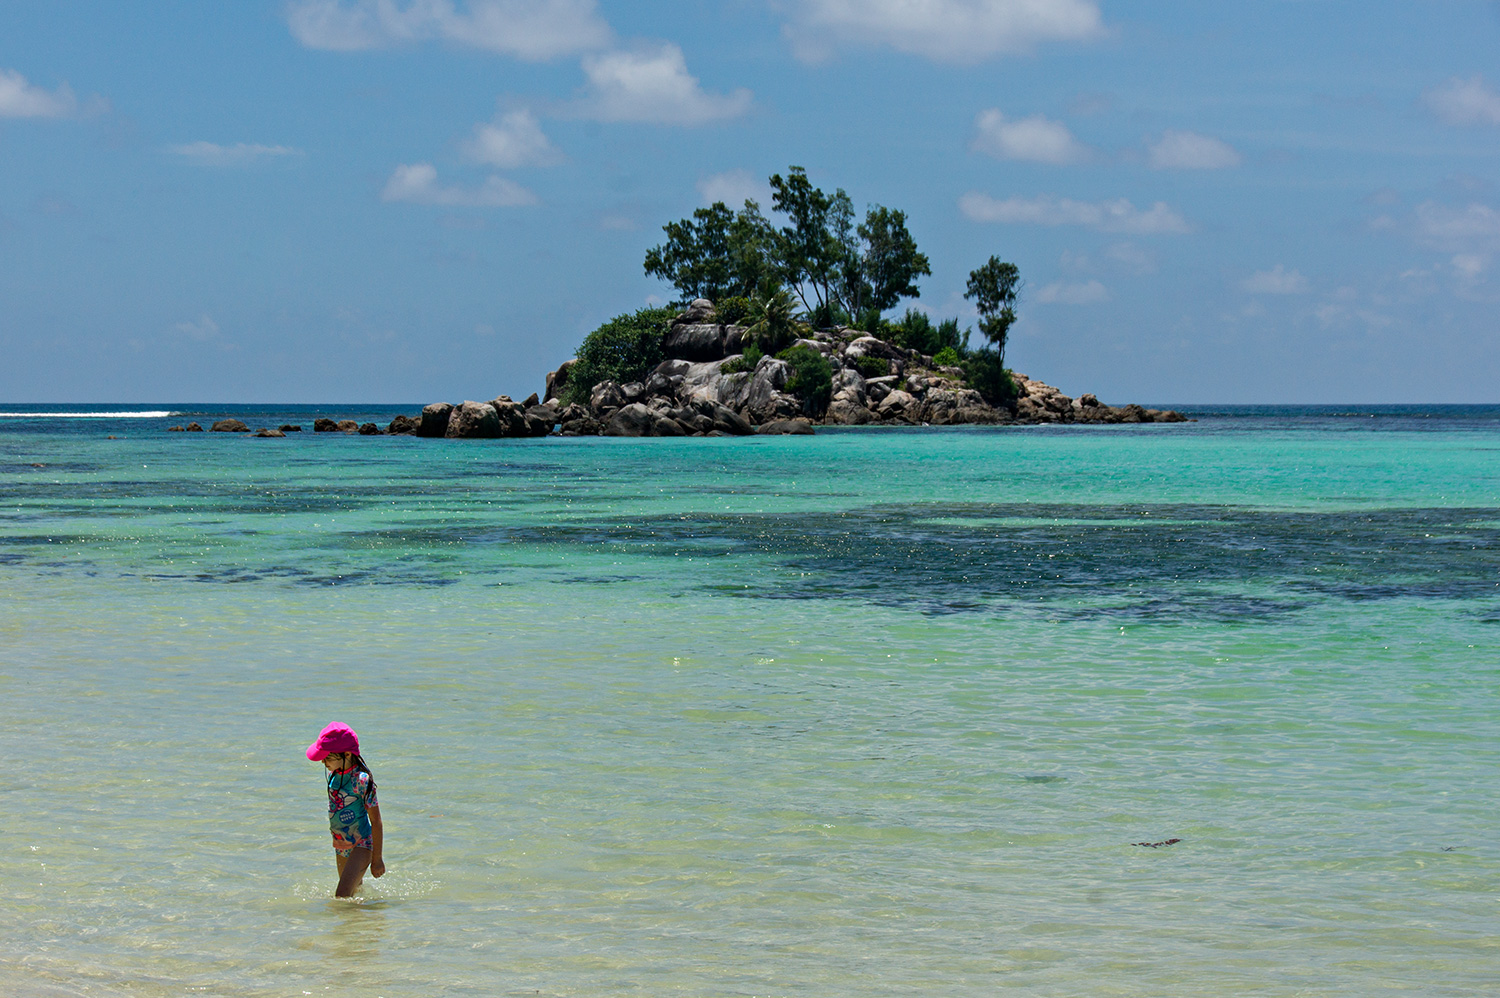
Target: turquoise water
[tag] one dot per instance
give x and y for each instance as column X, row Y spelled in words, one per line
column 865, row 713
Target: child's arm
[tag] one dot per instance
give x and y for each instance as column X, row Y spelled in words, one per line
column 377, row 832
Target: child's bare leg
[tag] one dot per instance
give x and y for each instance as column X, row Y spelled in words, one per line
column 352, row 871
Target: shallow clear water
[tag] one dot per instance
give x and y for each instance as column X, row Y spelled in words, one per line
column 866, row 713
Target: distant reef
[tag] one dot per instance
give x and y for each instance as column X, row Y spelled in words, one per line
column 713, row 382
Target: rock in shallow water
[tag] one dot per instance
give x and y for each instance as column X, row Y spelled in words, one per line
column 473, row 421
column 434, row 421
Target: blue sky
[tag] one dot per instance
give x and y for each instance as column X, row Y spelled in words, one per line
column 413, row 200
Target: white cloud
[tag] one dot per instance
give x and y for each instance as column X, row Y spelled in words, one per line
column 1132, row 258
column 1464, row 102
column 512, row 140
column 734, row 188
column 1469, row 265
column 535, row 30
column 213, row 154
column 618, row 223
column 653, row 85
column 1118, row 215
column 960, row 31
column 1191, row 151
column 1276, row 281
column 1084, row 293
column 19, row 99
column 418, row 184
column 203, row 330
column 1476, row 226
column 1035, row 139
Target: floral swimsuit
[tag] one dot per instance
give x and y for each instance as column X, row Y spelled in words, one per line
column 350, row 797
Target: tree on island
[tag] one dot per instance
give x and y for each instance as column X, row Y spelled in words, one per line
column 994, row 288
column 716, row 254
column 838, row 270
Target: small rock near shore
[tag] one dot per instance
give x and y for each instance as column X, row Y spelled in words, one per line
column 434, row 421
column 473, row 421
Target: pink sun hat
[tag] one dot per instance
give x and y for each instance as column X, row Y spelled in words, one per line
column 337, row 737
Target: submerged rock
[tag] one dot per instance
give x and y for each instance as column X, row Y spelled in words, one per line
column 801, row 427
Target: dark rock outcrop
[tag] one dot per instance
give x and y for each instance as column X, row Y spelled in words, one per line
column 264, row 432
column 633, row 420
column 229, row 426
column 695, row 341
column 540, row 419
column 558, row 380
column 325, row 425
column 473, row 420
column 434, row 419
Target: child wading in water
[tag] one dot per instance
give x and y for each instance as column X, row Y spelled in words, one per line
column 353, row 811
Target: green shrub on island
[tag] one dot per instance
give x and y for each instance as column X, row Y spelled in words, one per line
column 947, row 357
column 915, row 331
column 624, row 349
column 732, row 309
column 988, row 376
column 811, row 379
column 744, row 362
column 869, row 321
column 773, row 324
column 872, row 367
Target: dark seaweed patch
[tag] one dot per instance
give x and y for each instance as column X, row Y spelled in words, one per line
column 1185, row 562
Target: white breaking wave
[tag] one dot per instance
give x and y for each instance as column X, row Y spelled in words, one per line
column 143, row 414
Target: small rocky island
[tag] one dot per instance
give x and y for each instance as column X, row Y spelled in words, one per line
column 786, row 328
column 704, row 387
